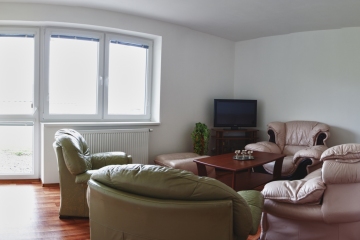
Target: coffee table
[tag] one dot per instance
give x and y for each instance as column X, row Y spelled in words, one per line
column 238, row 174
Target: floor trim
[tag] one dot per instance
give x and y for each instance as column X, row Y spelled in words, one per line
column 20, row 181
column 28, row 181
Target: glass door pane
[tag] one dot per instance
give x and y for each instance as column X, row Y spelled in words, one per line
column 16, row 74
column 16, row 150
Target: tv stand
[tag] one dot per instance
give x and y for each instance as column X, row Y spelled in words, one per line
column 229, row 140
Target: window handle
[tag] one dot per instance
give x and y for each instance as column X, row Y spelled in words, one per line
column 101, row 80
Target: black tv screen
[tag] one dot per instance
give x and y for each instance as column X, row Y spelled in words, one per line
column 235, row 113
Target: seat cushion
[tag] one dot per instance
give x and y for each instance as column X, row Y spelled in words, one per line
column 183, row 161
column 287, row 169
column 291, row 150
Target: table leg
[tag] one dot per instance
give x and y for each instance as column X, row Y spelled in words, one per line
column 201, row 169
column 233, row 180
column 277, row 169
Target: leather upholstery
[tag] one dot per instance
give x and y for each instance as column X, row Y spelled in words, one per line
column 76, row 165
column 336, row 217
column 184, row 161
column 137, row 201
column 307, row 190
column 299, row 140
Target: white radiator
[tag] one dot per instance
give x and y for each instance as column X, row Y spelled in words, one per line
column 134, row 142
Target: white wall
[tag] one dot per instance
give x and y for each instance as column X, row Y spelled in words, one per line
column 304, row 76
column 196, row 68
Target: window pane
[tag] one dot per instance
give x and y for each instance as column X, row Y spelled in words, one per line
column 73, row 74
column 16, row 155
column 16, row 74
column 127, row 79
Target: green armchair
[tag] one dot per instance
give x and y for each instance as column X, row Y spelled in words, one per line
column 76, row 165
column 141, row 202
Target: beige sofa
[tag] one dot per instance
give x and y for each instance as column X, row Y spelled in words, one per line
column 184, row 161
column 323, row 206
column 141, row 202
column 302, row 142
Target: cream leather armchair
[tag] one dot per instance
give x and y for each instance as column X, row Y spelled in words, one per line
column 76, row 165
column 141, row 202
column 323, row 206
column 302, row 141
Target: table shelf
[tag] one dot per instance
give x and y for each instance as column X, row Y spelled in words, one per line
column 227, row 140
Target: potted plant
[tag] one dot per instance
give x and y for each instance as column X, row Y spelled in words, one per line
column 200, row 137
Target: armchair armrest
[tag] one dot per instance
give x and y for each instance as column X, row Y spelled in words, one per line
column 255, row 200
column 319, row 134
column 83, row 178
column 263, row 147
column 99, row 160
column 313, row 153
column 303, row 191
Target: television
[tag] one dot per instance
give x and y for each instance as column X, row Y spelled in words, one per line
column 235, row 113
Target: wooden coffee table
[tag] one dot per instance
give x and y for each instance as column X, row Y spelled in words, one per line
column 238, row 174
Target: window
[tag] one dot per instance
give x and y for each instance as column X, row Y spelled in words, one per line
column 101, row 76
column 17, row 61
column 19, row 82
column 58, row 74
column 127, row 71
column 73, row 74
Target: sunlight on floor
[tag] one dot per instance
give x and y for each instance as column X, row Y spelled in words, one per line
column 15, row 202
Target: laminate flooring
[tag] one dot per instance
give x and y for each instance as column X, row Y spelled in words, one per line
column 30, row 211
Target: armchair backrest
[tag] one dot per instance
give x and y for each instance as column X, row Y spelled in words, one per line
column 296, row 135
column 75, row 150
column 341, row 174
column 173, row 184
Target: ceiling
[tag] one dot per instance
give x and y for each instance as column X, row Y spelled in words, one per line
column 236, row 20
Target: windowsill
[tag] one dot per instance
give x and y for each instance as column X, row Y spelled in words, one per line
column 97, row 124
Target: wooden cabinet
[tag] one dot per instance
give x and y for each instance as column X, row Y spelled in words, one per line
column 227, row 141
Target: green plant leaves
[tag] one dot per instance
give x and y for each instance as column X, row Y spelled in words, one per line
column 200, row 137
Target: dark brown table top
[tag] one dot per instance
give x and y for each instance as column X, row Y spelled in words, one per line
column 226, row 161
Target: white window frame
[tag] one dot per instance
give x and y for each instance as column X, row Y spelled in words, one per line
column 35, row 32
column 99, row 102
column 30, row 119
column 102, row 95
column 148, row 87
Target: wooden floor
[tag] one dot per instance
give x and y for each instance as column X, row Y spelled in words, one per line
column 30, row 211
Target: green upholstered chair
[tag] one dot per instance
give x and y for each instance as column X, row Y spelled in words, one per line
column 137, row 201
column 76, row 165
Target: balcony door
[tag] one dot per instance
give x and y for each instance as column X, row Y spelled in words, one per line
column 19, row 127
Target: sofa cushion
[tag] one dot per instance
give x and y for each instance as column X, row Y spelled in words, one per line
column 184, row 161
column 174, row 184
column 304, row 191
column 347, row 152
column 341, row 164
column 303, row 133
